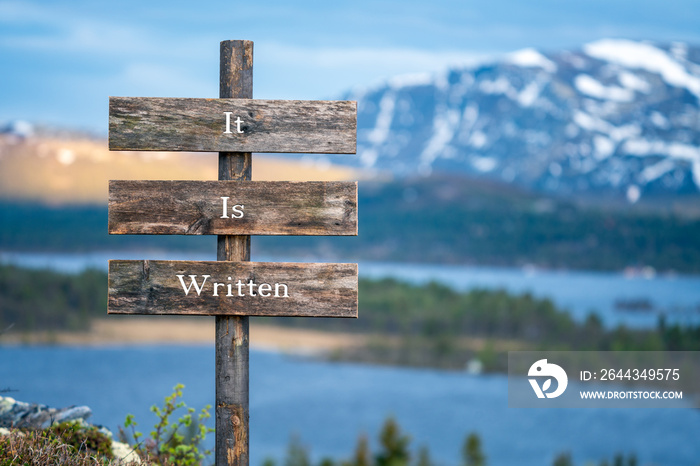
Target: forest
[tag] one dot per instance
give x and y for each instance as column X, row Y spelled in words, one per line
column 427, row 220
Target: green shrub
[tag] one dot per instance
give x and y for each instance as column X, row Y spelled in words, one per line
column 167, row 444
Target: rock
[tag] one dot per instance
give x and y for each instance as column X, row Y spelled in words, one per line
column 19, row 414
column 125, row 453
column 4, row 432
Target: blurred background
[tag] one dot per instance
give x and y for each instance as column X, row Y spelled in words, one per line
column 529, row 178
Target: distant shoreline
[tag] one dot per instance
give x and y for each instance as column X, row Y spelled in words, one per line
column 118, row 330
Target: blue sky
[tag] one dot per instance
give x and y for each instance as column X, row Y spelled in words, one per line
column 60, row 60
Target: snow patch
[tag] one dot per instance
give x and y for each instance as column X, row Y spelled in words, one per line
column 616, row 133
column 526, row 97
column 478, row 140
column 529, row 94
column 499, row 86
column 484, row 164
column 646, row 57
column 469, row 118
column 633, row 193
column 531, row 58
column 602, row 147
column 659, row 120
column 679, row 50
column 444, row 126
column 657, row 170
column 382, row 126
column 575, row 60
column 589, row 86
column 634, row 82
column 411, row 80
column 675, row 150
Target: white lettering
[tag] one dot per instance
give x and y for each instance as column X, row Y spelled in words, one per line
column 277, row 290
column 249, row 288
column 228, row 122
column 225, row 207
column 264, row 287
column 193, row 281
column 237, row 211
column 238, row 122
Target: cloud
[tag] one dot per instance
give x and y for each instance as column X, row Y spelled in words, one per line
column 56, row 28
column 375, row 57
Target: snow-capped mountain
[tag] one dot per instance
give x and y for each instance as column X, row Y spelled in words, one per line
column 616, row 115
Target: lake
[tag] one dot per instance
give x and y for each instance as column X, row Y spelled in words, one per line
column 329, row 404
column 580, row 292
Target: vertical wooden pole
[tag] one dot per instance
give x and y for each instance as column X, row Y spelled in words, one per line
column 235, row 81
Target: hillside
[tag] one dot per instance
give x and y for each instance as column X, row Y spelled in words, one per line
column 434, row 219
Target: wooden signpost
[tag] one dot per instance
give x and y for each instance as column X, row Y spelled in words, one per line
column 232, row 208
column 232, row 288
column 206, row 125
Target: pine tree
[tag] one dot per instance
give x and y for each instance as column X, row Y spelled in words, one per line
column 362, row 456
column 471, row 452
column 297, row 455
column 424, row 457
column 394, row 446
column 563, row 459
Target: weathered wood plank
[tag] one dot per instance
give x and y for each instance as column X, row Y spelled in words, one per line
column 250, row 208
column 180, row 124
column 256, row 288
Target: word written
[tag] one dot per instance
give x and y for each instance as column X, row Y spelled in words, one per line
column 228, row 123
column 264, row 289
column 237, row 210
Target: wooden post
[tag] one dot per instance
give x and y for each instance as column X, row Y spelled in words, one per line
column 232, row 338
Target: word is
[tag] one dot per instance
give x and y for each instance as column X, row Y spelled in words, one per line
column 237, row 210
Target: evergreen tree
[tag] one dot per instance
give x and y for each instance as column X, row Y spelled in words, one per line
column 424, row 457
column 471, row 452
column 394, row 446
column 297, row 454
column 563, row 459
column 362, row 456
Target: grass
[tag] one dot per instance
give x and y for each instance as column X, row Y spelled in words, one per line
column 61, row 445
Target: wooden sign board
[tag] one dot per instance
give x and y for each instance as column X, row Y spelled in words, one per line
column 232, row 125
column 232, row 208
column 232, row 288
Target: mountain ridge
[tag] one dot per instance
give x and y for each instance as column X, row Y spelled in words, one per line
column 615, row 117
